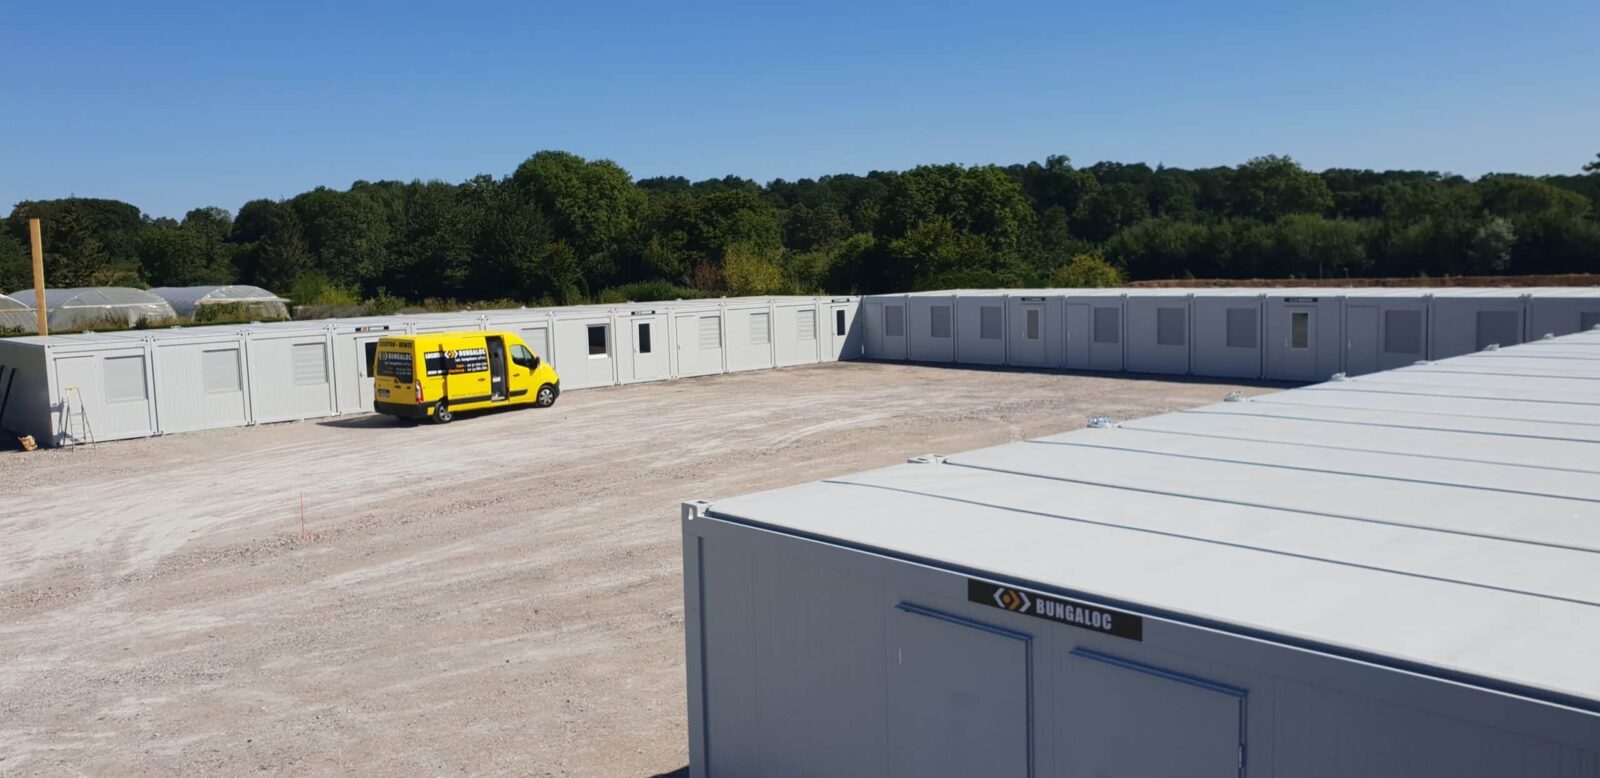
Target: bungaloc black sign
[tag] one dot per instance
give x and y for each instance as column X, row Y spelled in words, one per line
column 1043, row 606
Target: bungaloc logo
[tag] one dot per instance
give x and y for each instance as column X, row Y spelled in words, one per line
column 1040, row 606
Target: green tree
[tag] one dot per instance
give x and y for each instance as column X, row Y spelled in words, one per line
column 1109, row 211
column 593, row 206
column 1272, row 187
column 749, row 269
column 1087, row 271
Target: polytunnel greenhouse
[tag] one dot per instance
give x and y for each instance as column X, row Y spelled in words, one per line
column 92, row 307
column 245, row 301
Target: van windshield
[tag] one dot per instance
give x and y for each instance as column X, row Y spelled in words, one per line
column 397, row 365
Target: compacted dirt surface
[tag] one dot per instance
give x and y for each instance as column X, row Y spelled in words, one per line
column 501, row 595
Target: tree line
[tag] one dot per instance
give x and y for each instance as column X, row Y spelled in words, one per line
column 563, row 229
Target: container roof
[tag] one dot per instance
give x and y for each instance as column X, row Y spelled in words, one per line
column 1395, row 518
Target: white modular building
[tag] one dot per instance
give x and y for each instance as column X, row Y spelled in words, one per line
column 748, row 323
column 1303, row 334
column 1095, row 325
column 87, row 308
column 884, row 327
column 1229, row 329
column 71, row 389
column 931, row 327
column 1036, row 328
column 1158, row 325
column 981, row 327
column 191, row 301
column 1561, row 311
column 1385, row 329
column 1468, row 320
column 1335, row 580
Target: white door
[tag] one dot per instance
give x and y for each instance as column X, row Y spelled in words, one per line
column 699, row 343
column 1298, row 350
column 1077, row 336
column 1361, row 339
column 366, row 351
column 1028, row 348
column 844, row 340
column 649, row 349
column 958, row 698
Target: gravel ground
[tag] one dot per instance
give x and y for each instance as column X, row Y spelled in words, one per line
column 497, row 596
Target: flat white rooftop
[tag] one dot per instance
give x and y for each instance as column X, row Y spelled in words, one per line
column 1442, row 519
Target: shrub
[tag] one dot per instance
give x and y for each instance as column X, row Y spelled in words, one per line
column 1087, row 270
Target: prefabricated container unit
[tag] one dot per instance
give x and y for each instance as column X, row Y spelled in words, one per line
column 1036, row 328
column 1385, row 329
column 291, row 371
column 1468, row 320
column 424, row 323
column 1229, row 328
column 1158, row 331
column 86, row 308
column 797, row 332
column 699, row 338
column 1561, row 311
column 77, row 388
column 1303, row 334
column 355, row 349
column 931, row 327
column 188, row 301
column 643, row 341
column 885, row 331
column 16, row 317
column 1095, row 329
column 981, row 327
column 533, row 325
column 749, row 327
column 585, row 347
column 1309, row 583
column 844, row 327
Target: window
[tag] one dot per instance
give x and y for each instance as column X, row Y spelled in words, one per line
column 1031, row 326
column 643, row 341
column 1588, row 320
column 124, row 379
column 805, row 325
column 990, row 318
column 1402, row 332
column 939, row 321
column 1498, row 328
column 397, row 365
column 219, row 370
column 1300, row 329
column 1241, row 328
column 597, row 339
column 520, row 355
column 1170, row 326
column 710, row 333
column 1107, row 326
column 894, row 321
column 310, row 362
column 760, row 329
column 838, row 322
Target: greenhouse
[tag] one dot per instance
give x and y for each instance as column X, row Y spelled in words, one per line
column 241, row 301
column 94, row 307
column 16, row 316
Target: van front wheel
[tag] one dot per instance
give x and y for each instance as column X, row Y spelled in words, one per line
column 441, row 413
column 546, row 397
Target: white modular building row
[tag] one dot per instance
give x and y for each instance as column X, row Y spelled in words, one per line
column 68, row 389
column 1389, row 576
column 1279, row 334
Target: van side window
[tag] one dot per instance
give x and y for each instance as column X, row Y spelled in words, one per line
column 520, row 355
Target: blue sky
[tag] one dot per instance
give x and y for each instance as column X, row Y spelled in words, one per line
column 176, row 105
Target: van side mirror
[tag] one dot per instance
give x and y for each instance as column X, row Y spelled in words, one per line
column 534, row 363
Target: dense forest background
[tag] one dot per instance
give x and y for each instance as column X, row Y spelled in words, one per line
column 562, row 229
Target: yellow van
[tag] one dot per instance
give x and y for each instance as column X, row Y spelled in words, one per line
column 437, row 375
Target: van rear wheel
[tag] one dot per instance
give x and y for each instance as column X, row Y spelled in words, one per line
column 441, row 413
column 546, row 397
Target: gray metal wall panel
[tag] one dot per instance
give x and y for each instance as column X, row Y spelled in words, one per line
column 972, row 348
column 1455, row 322
column 201, row 385
column 1218, row 351
column 1142, row 319
column 1323, row 353
column 277, row 392
column 25, row 385
column 746, row 348
column 930, row 329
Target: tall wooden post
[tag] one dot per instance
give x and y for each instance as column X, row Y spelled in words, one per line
column 38, row 276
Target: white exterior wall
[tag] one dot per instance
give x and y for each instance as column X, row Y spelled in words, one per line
column 1385, row 331
column 1470, row 320
column 1321, row 353
column 1145, row 352
column 354, row 341
column 283, row 380
column 644, row 345
column 799, row 332
column 1228, row 334
column 972, row 347
column 923, row 313
column 750, row 333
column 1562, row 312
column 884, row 340
column 26, row 391
column 200, row 382
column 579, row 369
column 1096, row 331
column 699, row 336
column 1036, row 329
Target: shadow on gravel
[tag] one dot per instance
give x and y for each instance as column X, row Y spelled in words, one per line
column 682, row 772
